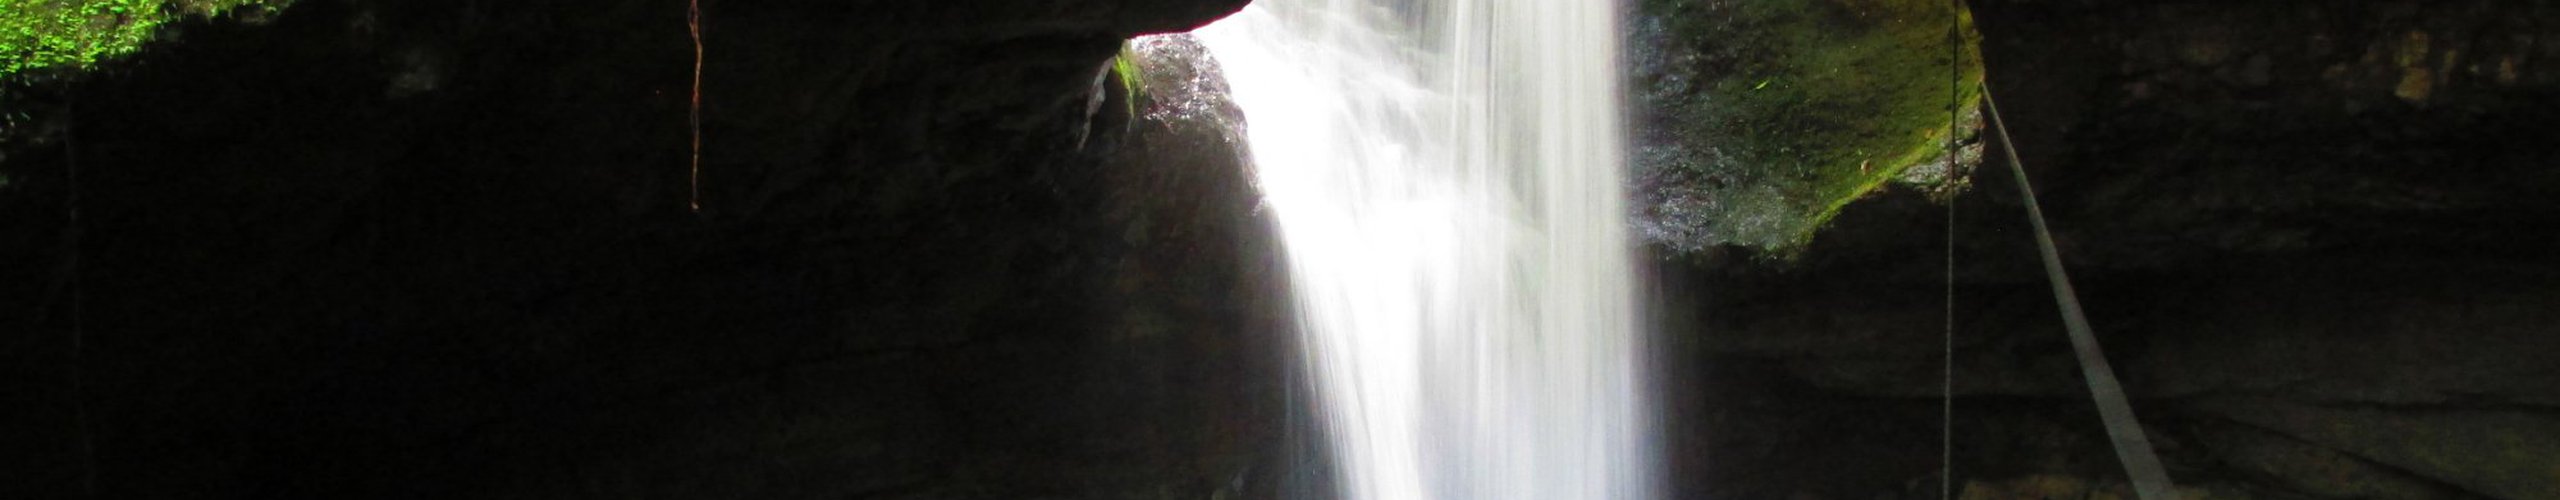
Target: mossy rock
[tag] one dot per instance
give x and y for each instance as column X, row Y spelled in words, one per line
column 38, row 36
column 1759, row 119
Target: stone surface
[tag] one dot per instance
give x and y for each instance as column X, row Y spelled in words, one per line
column 430, row 249
column 2500, row 453
column 1755, row 121
column 2341, row 210
column 412, row 249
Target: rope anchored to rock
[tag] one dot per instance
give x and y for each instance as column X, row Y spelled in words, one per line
column 2132, row 446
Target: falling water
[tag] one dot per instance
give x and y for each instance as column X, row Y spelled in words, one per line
column 1446, row 175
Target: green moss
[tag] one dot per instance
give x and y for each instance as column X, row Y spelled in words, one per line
column 1124, row 67
column 1798, row 107
column 51, row 35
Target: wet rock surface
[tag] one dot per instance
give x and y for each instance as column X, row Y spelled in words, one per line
column 1755, row 121
column 2314, row 238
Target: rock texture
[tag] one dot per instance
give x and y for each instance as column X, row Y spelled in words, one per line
column 2314, row 237
column 432, row 249
column 1755, row 121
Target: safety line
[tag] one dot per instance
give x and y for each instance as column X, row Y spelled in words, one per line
column 693, row 26
column 1947, row 389
column 2132, row 446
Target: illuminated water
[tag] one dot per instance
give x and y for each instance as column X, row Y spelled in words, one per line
column 1446, row 174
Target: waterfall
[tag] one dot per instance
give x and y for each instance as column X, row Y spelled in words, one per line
column 1446, row 176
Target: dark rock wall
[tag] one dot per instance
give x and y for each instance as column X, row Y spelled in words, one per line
column 432, row 249
column 2315, row 238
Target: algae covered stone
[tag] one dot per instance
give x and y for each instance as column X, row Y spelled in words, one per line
column 1757, row 120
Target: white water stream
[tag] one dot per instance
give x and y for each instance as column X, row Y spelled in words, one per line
column 1446, row 175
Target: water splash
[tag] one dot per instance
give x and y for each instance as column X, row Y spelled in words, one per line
column 1446, row 175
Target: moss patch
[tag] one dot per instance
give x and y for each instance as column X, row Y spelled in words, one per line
column 1125, row 68
column 47, row 35
column 1765, row 117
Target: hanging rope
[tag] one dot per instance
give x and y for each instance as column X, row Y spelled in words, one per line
column 2150, row 480
column 1947, row 387
column 693, row 25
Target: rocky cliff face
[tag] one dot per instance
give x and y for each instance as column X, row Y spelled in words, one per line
column 418, row 249
column 431, row 249
column 2313, row 237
